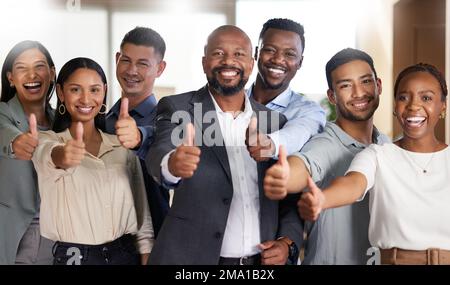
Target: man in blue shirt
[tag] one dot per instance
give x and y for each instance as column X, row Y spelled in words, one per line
column 281, row 45
column 138, row 64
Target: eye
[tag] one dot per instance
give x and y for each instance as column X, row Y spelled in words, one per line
column 345, row 86
column 74, row 89
column 95, row 90
column 269, row 50
column 217, row 53
column 124, row 60
column 401, row 98
column 367, row 81
column 427, row 98
column 291, row 55
column 239, row 54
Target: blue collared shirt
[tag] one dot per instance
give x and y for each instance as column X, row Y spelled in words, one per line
column 305, row 119
column 144, row 114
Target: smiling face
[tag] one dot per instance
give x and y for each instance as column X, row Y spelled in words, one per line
column 418, row 104
column 228, row 62
column 280, row 56
column 31, row 75
column 82, row 94
column 137, row 68
column 355, row 91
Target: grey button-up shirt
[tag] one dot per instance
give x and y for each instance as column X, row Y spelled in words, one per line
column 340, row 235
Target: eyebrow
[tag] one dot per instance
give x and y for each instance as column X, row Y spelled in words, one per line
column 39, row 61
column 349, row 80
column 79, row 85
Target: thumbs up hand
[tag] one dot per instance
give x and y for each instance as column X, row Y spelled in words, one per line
column 312, row 202
column 259, row 145
column 24, row 145
column 127, row 131
column 184, row 161
column 277, row 177
column 71, row 154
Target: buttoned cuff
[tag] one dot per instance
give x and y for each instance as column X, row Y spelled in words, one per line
column 165, row 170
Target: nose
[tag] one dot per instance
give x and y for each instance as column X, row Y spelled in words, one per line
column 84, row 98
column 414, row 103
column 228, row 59
column 278, row 57
column 131, row 69
column 358, row 90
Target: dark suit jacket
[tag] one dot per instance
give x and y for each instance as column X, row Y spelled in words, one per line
column 194, row 227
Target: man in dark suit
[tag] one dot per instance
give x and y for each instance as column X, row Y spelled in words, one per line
column 219, row 213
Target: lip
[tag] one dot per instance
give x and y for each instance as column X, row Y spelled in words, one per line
column 275, row 71
column 34, row 87
column 360, row 105
column 414, row 121
column 85, row 109
column 131, row 82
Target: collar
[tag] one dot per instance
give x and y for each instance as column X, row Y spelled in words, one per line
column 144, row 109
column 281, row 100
column 347, row 140
column 19, row 115
column 248, row 110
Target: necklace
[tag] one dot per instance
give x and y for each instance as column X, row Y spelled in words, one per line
column 424, row 169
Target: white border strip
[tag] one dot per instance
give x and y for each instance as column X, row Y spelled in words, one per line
column 447, row 67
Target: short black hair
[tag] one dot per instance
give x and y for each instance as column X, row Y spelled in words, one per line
column 142, row 36
column 285, row 25
column 423, row 67
column 63, row 121
column 344, row 56
column 8, row 92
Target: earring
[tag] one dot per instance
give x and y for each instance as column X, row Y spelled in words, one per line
column 11, row 85
column 62, row 109
column 104, row 110
column 395, row 114
column 442, row 115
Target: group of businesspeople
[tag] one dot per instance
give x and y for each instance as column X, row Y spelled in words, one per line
column 83, row 185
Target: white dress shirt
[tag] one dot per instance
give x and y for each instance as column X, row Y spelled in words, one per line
column 242, row 232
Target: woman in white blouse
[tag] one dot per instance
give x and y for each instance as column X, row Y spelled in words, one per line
column 93, row 200
column 407, row 179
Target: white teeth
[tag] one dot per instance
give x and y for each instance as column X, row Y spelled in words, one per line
column 229, row 73
column 32, row 84
column 415, row 120
column 276, row 70
column 131, row 80
column 360, row 105
column 85, row 109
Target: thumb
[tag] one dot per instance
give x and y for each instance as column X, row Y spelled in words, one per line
column 124, row 108
column 79, row 132
column 189, row 136
column 282, row 156
column 266, row 245
column 33, row 126
column 313, row 187
column 252, row 131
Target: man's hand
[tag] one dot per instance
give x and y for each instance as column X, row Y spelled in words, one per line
column 311, row 203
column 24, row 145
column 277, row 177
column 259, row 145
column 184, row 161
column 127, row 131
column 274, row 252
column 71, row 154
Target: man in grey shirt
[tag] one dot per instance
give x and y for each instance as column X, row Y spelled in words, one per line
column 340, row 235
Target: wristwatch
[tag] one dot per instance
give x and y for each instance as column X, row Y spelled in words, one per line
column 293, row 250
column 11, row 150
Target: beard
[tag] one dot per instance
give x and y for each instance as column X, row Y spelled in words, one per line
column 226, row 90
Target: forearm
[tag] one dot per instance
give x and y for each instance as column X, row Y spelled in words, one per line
column 345, row 190
column 298, row 177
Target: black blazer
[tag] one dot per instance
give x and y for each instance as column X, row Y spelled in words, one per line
column 193, row 230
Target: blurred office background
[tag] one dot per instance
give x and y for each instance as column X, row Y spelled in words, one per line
column 396, row 33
